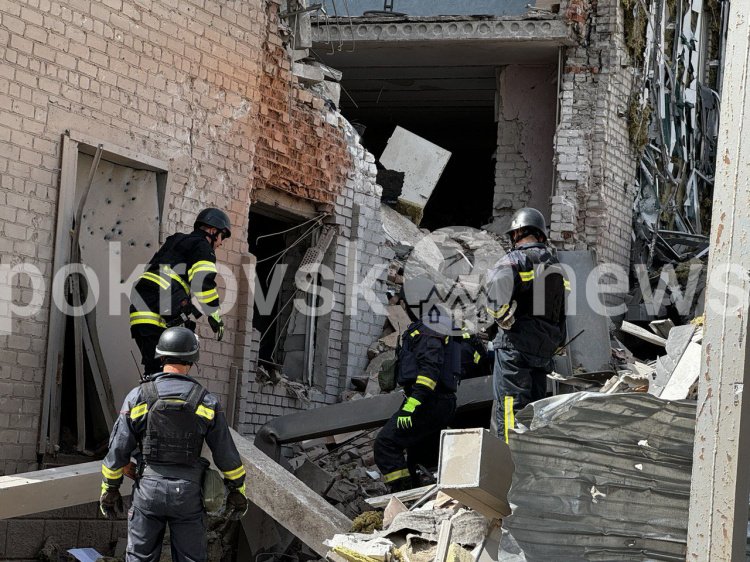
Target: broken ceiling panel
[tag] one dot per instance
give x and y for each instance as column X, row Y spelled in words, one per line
column 601, row 478
column 422, row 163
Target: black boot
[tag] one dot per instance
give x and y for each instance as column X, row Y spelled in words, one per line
column 401, row 484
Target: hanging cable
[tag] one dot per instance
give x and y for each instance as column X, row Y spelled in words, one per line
column 285, row 250
column 278, row 339
column 278, row 314
column 321, row 216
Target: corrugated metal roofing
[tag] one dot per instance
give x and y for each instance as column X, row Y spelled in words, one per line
column 601, row 477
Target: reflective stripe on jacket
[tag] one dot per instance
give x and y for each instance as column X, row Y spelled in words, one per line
column 512, row 279
column 184, row 267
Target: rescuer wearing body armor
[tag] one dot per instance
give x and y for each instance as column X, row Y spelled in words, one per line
column 526, row 296
column 185, row 266
column 429, row 368
column 168, row 418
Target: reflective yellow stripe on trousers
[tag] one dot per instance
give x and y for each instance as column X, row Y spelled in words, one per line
column 509, row 419
column 395, row 475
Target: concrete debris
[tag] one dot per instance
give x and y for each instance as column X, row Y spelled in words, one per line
column 422, row 163
column 426, row 523
column 314, row 477
column 394, row 507
column 351, row 545
column 639, row 332
column 416, row 535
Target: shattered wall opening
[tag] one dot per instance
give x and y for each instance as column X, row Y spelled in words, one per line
column 463, row 196
column 465, row 85
column 268, row 240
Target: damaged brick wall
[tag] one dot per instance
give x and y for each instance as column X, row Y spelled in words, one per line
column 357, row 250
column 314, row 154
column 595, row 168
column 366, row 244
column 526, row 128
column 298, row 150
column 173, row 80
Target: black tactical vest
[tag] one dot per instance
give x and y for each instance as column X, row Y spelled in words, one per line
column 173, row 434
column 450, row 374
column 546, row 300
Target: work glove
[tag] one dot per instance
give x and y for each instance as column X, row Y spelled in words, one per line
column 236, row 503
column 110, row 502
column 217, row 325
column 404, row 420
column 508, row 318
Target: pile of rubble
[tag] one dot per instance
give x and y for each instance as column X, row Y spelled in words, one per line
column 341, row 468
column 441, row 529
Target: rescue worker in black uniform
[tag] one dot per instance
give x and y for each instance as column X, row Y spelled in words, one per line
column 185, row 266
column 474, row 360
column 168, row 418
column 429, row 368
column 526, row 293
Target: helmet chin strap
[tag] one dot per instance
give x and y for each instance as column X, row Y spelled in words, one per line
column 213, row 236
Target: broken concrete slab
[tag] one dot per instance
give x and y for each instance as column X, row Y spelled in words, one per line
column 394, row 507
column 679, row 339
column 661, row 327
column 422, row 163
column 398, row 317
column 307, row 73
column 317, row 479
column 391, row 340
column 400, row 229
column 54, row 488
column 476, row 468
column 642, row 333
column 282, row 496
column 373, row 367
column 470, row 528
column 686, row 371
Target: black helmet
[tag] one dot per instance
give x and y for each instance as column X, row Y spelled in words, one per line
column 528, row 218
column 179, row 343
column 216, row 218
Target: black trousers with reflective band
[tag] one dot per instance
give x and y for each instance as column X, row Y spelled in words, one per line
column 518, row 380
column 428, row 420
column 158, row 502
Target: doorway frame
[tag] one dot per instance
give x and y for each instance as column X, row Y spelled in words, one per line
column 73, row 144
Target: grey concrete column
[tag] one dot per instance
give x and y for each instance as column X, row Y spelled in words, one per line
column 719, row 497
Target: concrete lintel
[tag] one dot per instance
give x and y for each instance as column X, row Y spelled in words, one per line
column 54, row 488
column 505, row 30
column 282, row 496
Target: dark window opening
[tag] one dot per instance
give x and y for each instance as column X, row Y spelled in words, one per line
column 464, row 194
